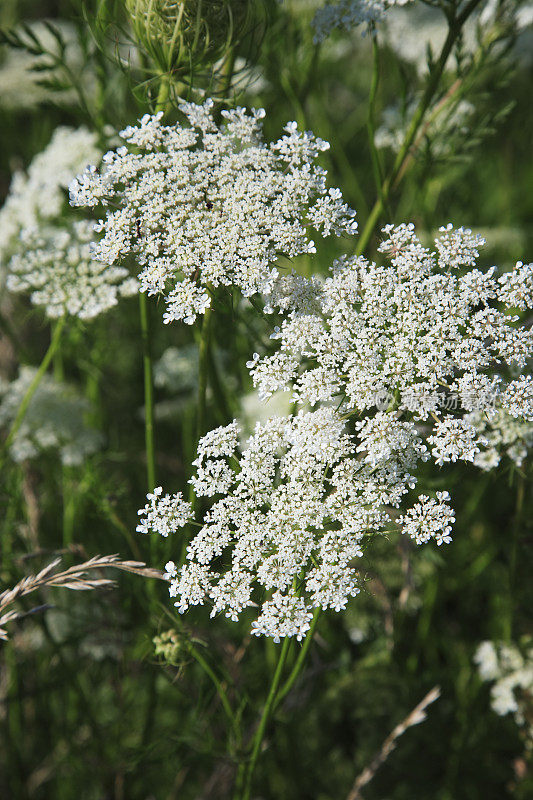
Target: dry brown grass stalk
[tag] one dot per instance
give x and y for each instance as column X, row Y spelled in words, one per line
column 417, row 715
column 78, row 578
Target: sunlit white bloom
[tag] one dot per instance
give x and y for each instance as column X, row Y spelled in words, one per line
column 511, row 669
column 348, row 14
column 505, row 436
column 38, row 197
column 453, row 439
column 164, row 514
column 288, row 515
column 56, row 267
column 429, row 519
column 425, row 333
column 202, row 205
column 54, row 420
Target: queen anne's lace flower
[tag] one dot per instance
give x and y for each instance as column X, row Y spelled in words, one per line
column 38, row 196
column 204, row 205
column 164, row 515
column 411, row 334
column 289, row 515
column 504, row 436
column 429, row 519
column 56, row 266
column 54, row 420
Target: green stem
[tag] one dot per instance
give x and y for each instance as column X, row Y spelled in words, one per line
column 371, row 125
column 163, row 95
column 148, row 392
column 268, row 708
column 69, row 507
column 454, row 29
column 23, row 408
column 302, row 655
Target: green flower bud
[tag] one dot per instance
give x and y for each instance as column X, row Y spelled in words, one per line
column 185, row 33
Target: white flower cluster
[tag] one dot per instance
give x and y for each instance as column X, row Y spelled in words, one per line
column 348, row 14
column 201, row 205
column 38, row 196
column 504, row 435
column 511, row 668
column 412, row 330
column 164, row 514
column 54, row 420
column 45, row 249
column 57, row 267
column 288, row 516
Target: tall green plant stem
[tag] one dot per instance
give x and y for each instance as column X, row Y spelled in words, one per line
column 163, row 95
column 265, row 716
column 148, row 392
column 298, row 664
column 455, row 25
column 517, row 522
column 26, row 400
column 371, row 123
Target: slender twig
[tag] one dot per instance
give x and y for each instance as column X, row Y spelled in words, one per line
column 203, row 369
column 148, row 392
column 417, row 715
column 517, row 522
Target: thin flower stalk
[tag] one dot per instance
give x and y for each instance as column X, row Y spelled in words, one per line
column 300, row 661
column 265, row 716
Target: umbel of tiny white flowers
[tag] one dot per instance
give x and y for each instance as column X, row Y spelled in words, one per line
column 348, row 14
column 288, row 517
column 54, row 420
column 55, row 264
column 46, row 250
column 413, row 334
column 37, row 198
column 511, row 669
column 202, row 205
